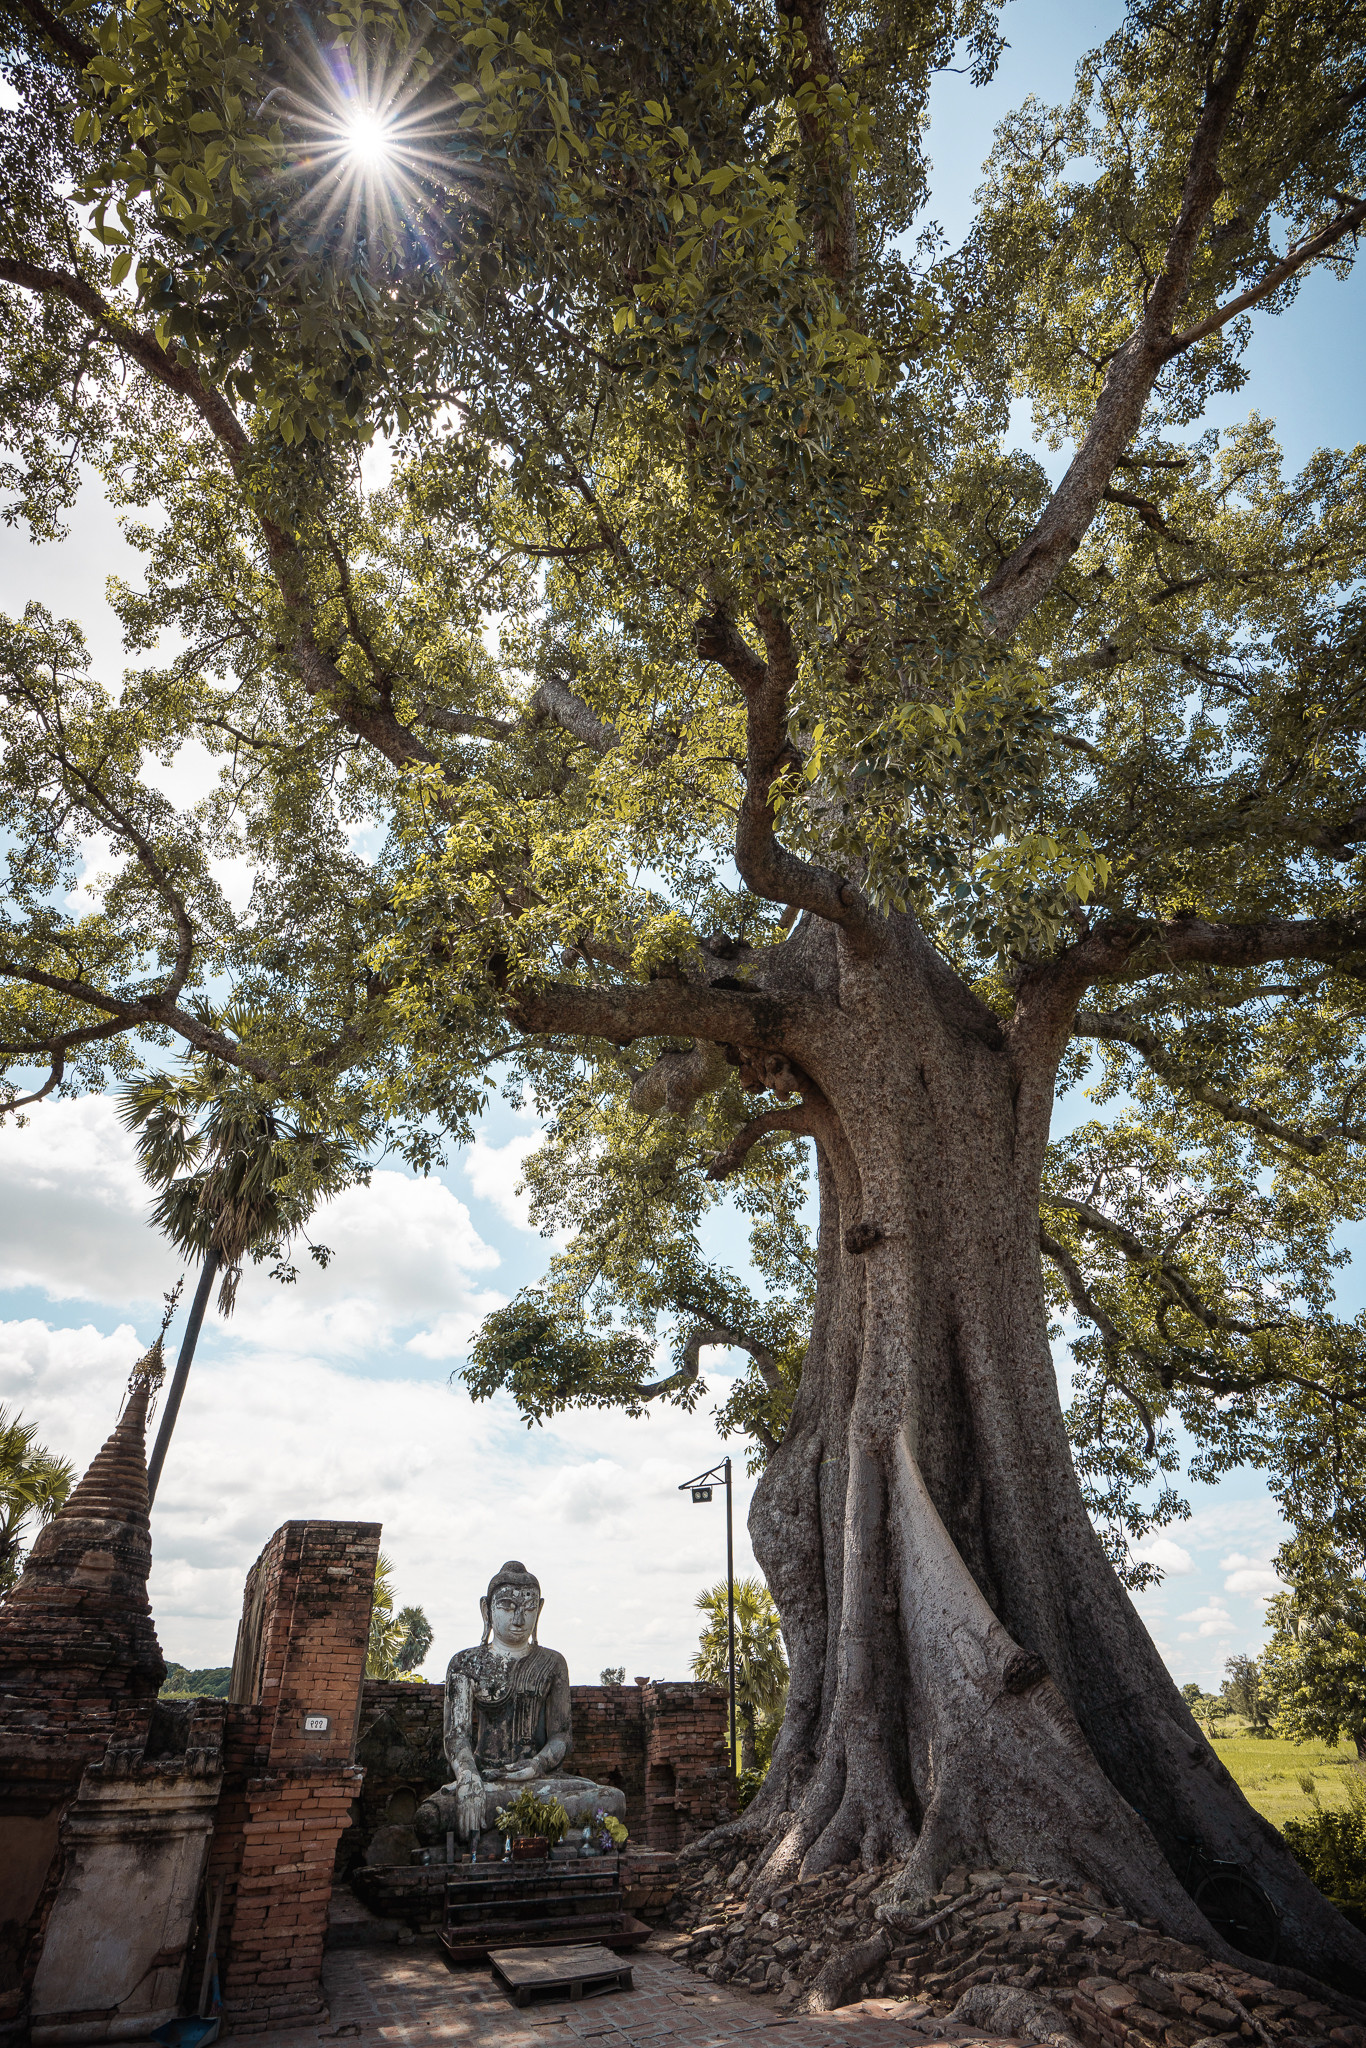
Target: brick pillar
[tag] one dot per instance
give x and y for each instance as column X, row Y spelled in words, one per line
column 688, row 1782
column 290, row 1780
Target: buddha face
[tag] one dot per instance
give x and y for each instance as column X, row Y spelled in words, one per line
column 513, row 1616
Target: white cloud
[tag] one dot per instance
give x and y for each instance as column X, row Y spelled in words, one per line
column 1167, row 1555
column 494, row 1173
column 1252, row 1577
column 60, row 1362
column 73, row 1208
column 1218, row 1522
column 191, row 773
column 403, row 1250
column 450, row 1335
column 1213, row 1619
column 74, row 1222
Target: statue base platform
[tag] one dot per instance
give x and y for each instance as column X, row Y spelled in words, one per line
column 581, row 1799
column 533, row 1905
column 413, row 1896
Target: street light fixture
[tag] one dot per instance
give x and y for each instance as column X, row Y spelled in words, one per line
column 701, row 1493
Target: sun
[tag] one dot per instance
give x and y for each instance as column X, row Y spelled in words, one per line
column 369, row 139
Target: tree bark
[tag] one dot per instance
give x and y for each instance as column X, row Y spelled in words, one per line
column 970, row 1683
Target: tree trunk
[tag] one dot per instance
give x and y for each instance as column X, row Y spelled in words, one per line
column 970, row 1683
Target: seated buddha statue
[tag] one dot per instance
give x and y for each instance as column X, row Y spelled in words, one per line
column 506, row 1722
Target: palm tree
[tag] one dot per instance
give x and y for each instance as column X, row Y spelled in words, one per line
column 398, row 1642
column 33, row 1483
column 760, row 1660
column 235, row 1181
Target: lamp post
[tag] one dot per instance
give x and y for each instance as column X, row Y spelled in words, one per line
column 700, row 1489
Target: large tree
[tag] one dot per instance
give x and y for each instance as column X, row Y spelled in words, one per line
column 709, row 706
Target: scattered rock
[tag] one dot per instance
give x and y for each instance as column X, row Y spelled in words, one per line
column 991, row 1952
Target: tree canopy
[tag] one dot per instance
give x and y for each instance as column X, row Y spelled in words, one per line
column 1314, row 1667
column 704, row 601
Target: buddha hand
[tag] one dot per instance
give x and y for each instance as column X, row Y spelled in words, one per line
column 469, row 1788
column 518, row 1774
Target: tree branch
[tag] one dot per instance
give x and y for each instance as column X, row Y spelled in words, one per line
column 1168, row 1277
column 554, row 699
column 469, row 725
column 144, row 1010
column 1119, row 1030
column 666, row 1009
column 765, row 864
column 71, row 45
column 716, row 1333
column 1344, row 223
column 796, row 1119
column 321, row 677
column 1026, row 576
column 1130, row 950
column 143, row 349
column 822, row 135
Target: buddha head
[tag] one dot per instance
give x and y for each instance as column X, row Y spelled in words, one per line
column 512, row 1606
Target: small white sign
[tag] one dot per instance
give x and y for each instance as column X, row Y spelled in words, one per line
column 317, row 1724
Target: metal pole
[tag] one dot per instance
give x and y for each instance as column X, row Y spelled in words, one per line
column 730, row 1619
column 182, row 1372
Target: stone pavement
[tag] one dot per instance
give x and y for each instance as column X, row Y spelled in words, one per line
column 411, row 1998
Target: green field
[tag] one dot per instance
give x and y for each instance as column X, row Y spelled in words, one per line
column 1269, row 1771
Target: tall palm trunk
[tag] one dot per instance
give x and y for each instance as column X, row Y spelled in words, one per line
column 183, row 1363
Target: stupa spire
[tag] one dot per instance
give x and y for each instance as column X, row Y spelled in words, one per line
column 81, row 1601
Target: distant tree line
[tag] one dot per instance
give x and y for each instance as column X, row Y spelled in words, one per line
column 1309, row 1684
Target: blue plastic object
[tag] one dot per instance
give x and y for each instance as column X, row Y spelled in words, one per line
column 189, row 2033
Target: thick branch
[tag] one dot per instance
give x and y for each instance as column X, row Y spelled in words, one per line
column 71, row 45
column 665, row 1009
column 1132, row 950
column 765, row 864
column 1027, row 575
column 1083, row 1301
column 467, row 725
column 794, row 1118
column 554, row 699
column 152, row 1010
column 143, row 349
column 823, row 135
column 321, row 678
column 716, row 1333
column 1122, row 1031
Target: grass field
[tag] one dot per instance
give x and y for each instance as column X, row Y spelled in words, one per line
column 1269, row 1771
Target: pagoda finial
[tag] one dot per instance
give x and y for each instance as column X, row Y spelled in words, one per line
column 144, row 1381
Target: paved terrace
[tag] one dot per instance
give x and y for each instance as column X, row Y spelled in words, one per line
column 410, row 1998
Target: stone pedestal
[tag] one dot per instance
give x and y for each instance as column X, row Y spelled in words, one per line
column 115, row 1954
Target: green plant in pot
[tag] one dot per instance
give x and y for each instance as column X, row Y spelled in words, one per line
column 534, row 1824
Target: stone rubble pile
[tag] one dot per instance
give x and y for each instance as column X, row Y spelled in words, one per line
column 1113, row 1982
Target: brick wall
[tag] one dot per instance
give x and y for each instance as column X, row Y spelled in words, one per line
column 688, row 1783
column 288, row 1790
column 609, row 1744
column 663, row 1744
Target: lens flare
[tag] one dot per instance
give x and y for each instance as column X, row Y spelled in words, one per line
column 368, row 137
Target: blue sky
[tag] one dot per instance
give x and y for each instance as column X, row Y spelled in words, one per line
column 332, row 1398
